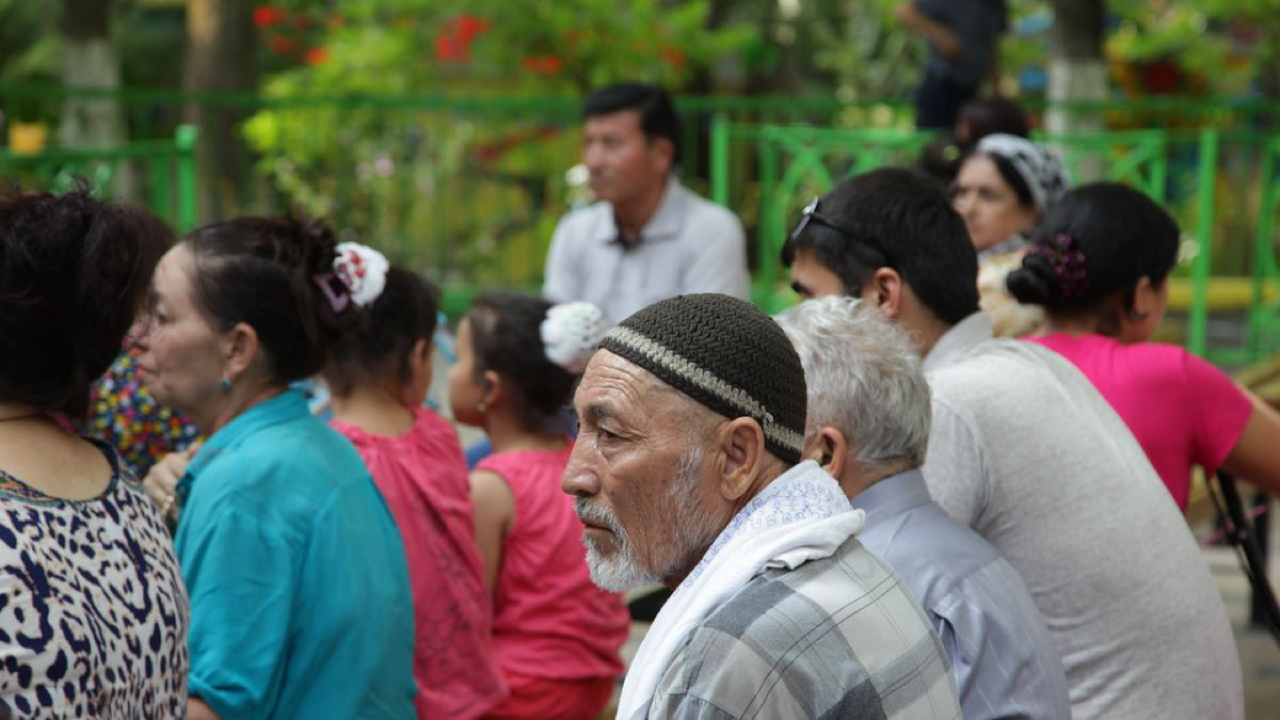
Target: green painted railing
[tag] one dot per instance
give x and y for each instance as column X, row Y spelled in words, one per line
column 475, row 185
column 165, row 168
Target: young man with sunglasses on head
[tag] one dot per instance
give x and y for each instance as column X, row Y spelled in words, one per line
column 1025, row 452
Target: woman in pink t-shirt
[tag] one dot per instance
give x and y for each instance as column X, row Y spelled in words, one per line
column 555, row 633
column 378, row 376
column 1099, row 266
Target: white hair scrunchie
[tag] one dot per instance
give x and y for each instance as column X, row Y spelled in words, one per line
column 362, row 270
column 570, row 334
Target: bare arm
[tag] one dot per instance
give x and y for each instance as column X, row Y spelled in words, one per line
column 947, row 42
column 197, row 710
column 495, row 509
column 1254, row 458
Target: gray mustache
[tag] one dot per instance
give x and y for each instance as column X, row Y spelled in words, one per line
column 588, row 512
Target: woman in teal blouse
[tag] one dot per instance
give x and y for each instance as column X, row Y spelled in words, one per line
column 300, row 596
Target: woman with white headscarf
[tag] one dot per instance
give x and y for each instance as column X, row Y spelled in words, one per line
column 1002, row 191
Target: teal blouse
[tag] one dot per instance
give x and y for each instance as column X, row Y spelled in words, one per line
column 300, row 599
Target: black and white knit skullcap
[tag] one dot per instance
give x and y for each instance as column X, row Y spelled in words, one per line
column 1040, row 166
column 725, row 354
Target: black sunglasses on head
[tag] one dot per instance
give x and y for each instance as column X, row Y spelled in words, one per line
column 810, row 215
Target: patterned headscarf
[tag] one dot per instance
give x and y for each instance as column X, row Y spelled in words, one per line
column 1041, row 167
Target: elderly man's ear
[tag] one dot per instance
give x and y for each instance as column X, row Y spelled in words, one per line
column 741, row 456
column 829, row 448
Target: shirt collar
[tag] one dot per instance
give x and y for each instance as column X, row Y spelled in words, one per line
column 288, row 405
column 665, row 223
column 893, row 495
column 958, row 340
column 1017, row 242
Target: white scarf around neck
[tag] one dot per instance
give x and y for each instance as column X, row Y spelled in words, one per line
column 803, row 515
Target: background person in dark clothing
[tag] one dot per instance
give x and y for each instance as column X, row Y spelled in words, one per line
column 963, row 35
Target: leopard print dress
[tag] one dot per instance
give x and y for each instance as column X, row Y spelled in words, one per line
column 93, row 612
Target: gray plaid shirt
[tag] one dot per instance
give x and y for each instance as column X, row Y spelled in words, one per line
column 834, row 638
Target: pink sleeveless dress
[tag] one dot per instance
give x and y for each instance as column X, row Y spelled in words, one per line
column 423, row 477
column 551, row 623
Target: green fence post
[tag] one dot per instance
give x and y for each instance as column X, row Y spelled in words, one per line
column 720, row 159
column 1197, row 335
column 161, row 188
column 185, row 163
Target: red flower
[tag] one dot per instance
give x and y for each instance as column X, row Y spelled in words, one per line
column 265, row 16
column 673, row 56
column 448, row 49
column 316, row 56
column 280, row 44
column 542, row 64
column 470, row 26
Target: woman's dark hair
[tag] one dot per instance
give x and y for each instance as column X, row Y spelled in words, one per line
column 506, row 335
column 1099, row 239
column 979, row 118
column 74, row 273
column 991, row 116
column 268, row 273
column 383, row 335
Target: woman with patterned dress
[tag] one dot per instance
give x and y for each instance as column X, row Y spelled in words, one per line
column 93, row 613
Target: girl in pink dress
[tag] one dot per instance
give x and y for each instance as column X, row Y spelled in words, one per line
column 1099, row 266
column 378, row 376
column 556, row 635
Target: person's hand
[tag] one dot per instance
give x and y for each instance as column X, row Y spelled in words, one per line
column 161, row 482
column 947, row 42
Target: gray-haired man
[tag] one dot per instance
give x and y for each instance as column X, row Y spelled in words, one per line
column 1004, row 660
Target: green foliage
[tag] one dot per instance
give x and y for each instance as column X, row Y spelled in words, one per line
column 480, row 190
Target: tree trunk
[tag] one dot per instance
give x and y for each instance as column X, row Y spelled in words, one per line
column 1077, row 69
column 90, row 61
column 220, row 57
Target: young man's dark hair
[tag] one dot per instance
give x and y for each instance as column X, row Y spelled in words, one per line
column 897, row 219
column 658, row 118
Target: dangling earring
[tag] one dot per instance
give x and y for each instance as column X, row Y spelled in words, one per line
column 226, row 384
column 481, row 407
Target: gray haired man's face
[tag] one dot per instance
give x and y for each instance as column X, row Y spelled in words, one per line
column 642, row 488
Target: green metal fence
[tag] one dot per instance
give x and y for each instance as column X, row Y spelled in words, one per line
column 469, row 189
column 162, row 171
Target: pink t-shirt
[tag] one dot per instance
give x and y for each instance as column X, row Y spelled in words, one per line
column 423, row 477
column 1182, row 410
column 550, row 620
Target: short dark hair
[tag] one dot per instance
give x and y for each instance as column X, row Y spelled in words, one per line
column 899, row 219
column 74, row 274
column 658, row 117
column 506, row 336
column 1123, row 236
column 266, row 272
column 383, row 335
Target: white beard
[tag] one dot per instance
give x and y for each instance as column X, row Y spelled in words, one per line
column 620, row 570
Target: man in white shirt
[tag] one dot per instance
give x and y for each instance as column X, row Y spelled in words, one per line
column 648, row 237
column 1026, row 452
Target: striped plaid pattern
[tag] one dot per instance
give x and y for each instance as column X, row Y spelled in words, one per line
column 834, row 638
